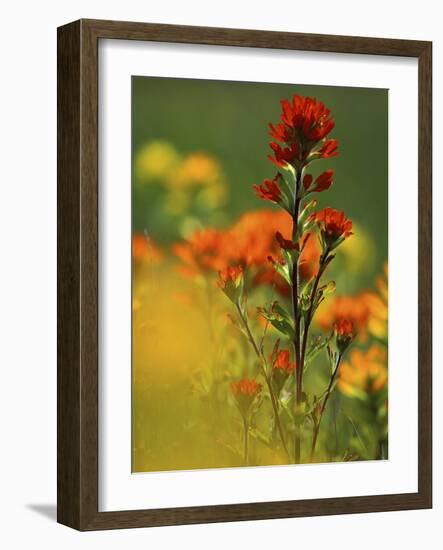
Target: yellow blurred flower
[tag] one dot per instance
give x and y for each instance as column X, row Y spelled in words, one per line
column 156, row 160
column 364, row 372
column 378, row 306
column 197, row 169
column 357, row 253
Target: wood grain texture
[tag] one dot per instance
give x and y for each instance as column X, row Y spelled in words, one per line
column 68, row 275
column 78, row 271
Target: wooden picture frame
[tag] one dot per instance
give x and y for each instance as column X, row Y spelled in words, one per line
column 77, row 455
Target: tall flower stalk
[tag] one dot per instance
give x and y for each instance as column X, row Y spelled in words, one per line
column 300, row 138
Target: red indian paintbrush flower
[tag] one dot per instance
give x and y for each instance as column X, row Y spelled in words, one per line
column 282, row 368
column 329, row 149
column 307, row 115
column 305, row 123
column 244, row 392
column 231, row 280
column 333, row 225
column 344, row 333
column 283, row 156
column 282, row 361
column 322, row 183
column 269, row 190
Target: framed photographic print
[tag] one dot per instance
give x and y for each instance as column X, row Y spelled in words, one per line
column 244, row 275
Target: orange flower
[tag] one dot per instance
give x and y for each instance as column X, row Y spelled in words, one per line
column 230, row 281
column 364, row 372
column 252, row 238
column 282, row 367
column 248, row 243
column 353, row 309
column 245, row 391
column 230, row 275
column 344, row 333
column 282, row 361
column 143, row 249
column 202, row 252
column 309, row 258
column 333, row 225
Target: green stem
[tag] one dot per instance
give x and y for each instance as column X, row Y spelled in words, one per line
column 323, row 407
column 262, row 361
column 296, row 314
column 246, row 441
column 322, row 268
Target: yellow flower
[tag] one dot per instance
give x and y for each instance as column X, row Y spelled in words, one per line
column 378, row 306
column 156, row 160
column 357, row 253
column 197, row 169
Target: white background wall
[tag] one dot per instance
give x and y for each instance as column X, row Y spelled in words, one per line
column 28, row 270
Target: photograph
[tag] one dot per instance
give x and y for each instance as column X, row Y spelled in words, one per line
column 259, row 274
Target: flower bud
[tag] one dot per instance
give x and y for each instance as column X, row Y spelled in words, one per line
column 344, row 334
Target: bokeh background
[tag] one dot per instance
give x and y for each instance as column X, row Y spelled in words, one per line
column 198, row 146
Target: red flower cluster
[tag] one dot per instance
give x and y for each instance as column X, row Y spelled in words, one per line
column 333, row 225
column 305, row 123
column 282, row 368
column 244, row 392
column 282, row 361
column 231, row 282
column 230, row 275
column 344, row 332
column 246, row 387
column 322, row 183
column 284, row 155
column 269, row 190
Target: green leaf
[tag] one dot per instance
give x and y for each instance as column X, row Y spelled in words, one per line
column 287, row 186
column 279, row 319
column 283, row 270
column 315, row 347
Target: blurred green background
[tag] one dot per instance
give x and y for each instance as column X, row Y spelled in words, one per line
column 229, row 120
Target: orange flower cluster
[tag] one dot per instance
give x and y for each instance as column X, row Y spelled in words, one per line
column 364, row 372
column 249, row 388
column 282, row 367
column 282, row 361
column 244, row 392
column 250, row 243
column 351, row 308
column 144, row 250
column 344, row 331
column 230, row 275
column 333, row 225
column 201, row 252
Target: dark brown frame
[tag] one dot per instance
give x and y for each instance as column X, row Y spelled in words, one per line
column 77, row 456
